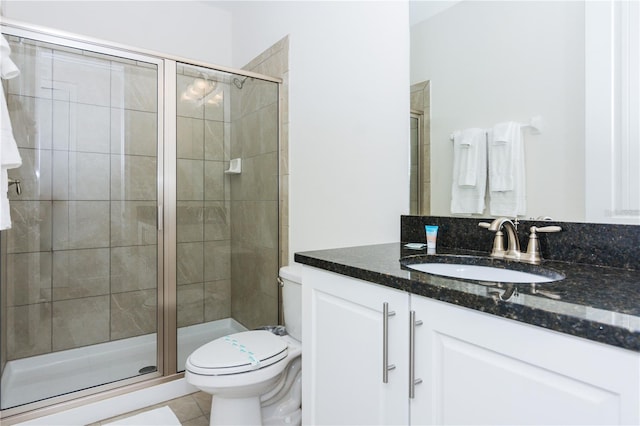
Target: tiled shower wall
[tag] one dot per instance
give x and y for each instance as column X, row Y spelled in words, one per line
column 257, row 194
column 81, row 255
column 203, row 232
column 255, row 197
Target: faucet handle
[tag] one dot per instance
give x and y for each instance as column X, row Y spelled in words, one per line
column 534, row 254
column 535, row 229
column 498, row 241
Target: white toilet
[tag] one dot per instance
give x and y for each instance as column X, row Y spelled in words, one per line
column 255, row 376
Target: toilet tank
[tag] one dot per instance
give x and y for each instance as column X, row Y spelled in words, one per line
column 292, row 300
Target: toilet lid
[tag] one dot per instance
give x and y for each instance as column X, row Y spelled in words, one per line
column 237, row 353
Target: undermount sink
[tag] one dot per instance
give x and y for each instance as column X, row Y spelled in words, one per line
column 480, row 269
column 480, row 273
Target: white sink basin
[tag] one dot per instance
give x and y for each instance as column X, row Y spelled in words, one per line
column 481, row 273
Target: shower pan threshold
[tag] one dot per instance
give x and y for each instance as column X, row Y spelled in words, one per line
column 58, row 373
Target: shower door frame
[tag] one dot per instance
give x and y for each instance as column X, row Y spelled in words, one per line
column 59, row 39
column 166, row 350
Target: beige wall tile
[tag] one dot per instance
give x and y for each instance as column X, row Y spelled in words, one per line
column 28, row 330
column 28, row 278
column 134, row 132
column 217, row 300
column 216, row 220
column 259, row 179
column 214, row 140
column 134, row 87
column 190, row 180
column 133, row 177
column 190, row 304
column 255, row 222
column 217, row 260
column 80, row 224
column 133, row 223
column 80, row 273
column 90, row 127
column 80, row 322
column 133, row 314
column 87, row 81
column 190, row 221
column 190, row 138
column 88, row 176
column 30, row 228
column 214, row 179
column 134, row 268
column 190, row 263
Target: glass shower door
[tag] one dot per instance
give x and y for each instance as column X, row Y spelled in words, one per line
column 227, row 205
column 80, row 264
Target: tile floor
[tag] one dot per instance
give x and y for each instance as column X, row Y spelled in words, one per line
column 191, row 410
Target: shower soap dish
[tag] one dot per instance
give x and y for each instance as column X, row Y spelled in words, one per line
column 235, row 167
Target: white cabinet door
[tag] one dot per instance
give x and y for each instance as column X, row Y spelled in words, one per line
column 481, row 369
column 343, row 351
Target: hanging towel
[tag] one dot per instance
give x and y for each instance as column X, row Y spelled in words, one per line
column 9, row 154
column 506, row 170
column 469, row 171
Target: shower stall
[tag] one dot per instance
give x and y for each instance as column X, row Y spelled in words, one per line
column 147, row 222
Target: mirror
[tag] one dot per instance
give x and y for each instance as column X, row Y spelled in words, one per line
column 487, row 62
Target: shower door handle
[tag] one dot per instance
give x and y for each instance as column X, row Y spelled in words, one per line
column 160, row 218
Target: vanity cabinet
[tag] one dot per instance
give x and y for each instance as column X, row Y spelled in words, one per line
column 343, row 347
column 478, row 368
column 470, row 367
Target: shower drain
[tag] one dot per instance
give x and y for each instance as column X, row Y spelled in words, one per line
column 147, row 369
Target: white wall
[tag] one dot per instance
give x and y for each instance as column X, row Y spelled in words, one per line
column 348, row 103
column 490, row 62
column 188, row 29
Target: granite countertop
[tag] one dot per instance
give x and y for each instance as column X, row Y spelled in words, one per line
column 593, row 302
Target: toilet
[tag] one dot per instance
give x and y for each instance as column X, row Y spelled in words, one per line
column 255, row 376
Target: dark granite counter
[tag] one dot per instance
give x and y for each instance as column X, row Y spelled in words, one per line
column 598, row 303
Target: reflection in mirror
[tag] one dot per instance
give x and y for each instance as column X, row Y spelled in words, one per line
column 489, row 62
column 420, row 190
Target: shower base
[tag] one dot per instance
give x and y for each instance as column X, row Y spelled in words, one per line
column 45, row 376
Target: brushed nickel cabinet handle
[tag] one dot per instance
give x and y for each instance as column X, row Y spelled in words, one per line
column 412, row 354
column 385, row 342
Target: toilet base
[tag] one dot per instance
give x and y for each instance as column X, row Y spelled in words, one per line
column 235, row 411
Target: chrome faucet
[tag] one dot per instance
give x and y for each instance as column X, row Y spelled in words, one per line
column 533, row 254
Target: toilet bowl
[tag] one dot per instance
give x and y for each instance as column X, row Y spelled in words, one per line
column 254, row 376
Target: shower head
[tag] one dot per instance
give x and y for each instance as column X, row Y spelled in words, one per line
column 239, row 83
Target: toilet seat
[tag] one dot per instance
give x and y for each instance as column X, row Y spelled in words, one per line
column 237, row 353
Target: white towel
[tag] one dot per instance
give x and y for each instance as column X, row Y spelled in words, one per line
column 506, row 170
column 9, row 154
column 469, row 171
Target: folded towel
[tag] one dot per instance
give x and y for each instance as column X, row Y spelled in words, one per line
column 506, row 170
column 469, row 181
column 466, row 153
column 501, row 166
column 9, row 154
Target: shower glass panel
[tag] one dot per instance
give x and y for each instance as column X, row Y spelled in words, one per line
column 227, row 205
column 80, row 262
